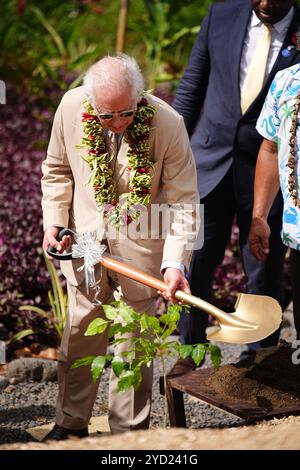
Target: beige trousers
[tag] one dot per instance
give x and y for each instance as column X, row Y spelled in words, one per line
column 77, row 392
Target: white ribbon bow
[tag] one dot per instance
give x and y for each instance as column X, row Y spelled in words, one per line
column 87, row 248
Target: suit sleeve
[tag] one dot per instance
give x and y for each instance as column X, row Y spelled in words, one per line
column 191, row 91
column 57, row 180
column 179, row 179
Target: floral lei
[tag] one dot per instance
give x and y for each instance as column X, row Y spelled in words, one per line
column 137, row 137
column 292, row 179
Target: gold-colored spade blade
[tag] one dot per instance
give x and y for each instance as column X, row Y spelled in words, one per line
column 263, row 311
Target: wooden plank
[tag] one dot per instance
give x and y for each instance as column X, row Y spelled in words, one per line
column 176, row 407
column 193, row 384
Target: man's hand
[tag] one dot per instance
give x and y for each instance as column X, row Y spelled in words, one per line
column 259, row 238
column 50, row 240
column 175, row 280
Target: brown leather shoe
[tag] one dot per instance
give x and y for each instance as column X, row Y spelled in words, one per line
column 59, row 433
column 182, row 366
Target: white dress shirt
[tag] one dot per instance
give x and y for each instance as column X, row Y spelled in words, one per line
column 255, row 29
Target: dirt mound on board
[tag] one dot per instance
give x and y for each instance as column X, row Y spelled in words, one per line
column 270, row 377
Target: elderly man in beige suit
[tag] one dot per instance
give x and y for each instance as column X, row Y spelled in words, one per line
column 149, row 142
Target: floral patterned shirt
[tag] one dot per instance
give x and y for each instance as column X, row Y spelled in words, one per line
column 274, row 124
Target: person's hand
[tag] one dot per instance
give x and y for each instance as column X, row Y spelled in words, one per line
column 175, row 280
column 259, row 238
column 50, row 240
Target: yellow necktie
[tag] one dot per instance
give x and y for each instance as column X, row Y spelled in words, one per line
column 255, row 77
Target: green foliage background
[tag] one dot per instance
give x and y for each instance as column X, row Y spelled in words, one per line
column 50, row 42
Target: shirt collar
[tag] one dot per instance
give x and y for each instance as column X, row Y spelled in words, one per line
column 280, row 26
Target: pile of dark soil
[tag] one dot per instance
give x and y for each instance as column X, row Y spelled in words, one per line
column 267, row 378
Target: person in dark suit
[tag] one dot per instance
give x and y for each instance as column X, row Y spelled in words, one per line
column 220, row 119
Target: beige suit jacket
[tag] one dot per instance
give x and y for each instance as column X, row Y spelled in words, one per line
column 69, row 202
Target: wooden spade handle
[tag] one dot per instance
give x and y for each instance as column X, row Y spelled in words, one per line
column 146, row 279
column 133, row 273
column 139, row 276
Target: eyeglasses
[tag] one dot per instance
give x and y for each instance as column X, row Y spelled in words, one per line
column 122, row 114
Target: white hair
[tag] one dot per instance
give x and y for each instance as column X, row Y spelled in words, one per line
column 120, row 72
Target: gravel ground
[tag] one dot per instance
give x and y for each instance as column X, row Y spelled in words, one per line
column 30, row 404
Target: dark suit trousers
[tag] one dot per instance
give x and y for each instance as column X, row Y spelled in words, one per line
column 220, row 209
column 295, row 271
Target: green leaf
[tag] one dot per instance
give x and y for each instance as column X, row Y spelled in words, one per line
column 84, row 58
column 53, row 33
column 180, row 34
column 129, row 328
column 198, row 353
column 58, row 299
column 169, row 331
column 114, row 329
column 32, row 308
column 137, row 378
column 97, row 367
column 129, row 355
column 175, row 309
column 185, row 350
column 215, row 354
column 148, row 362
column 149, row 322
column 96, row 327
column 126, row 380
column 84, row 361
column 127, row 313
column 172, row 315
column 120, row 340
column 110, row 312
column 144, row 322
column 154, row 324
column 20, row 335
column 77, row 80
column 147, row 346
column 118, row 365
column 164, row 318
column 137, row 374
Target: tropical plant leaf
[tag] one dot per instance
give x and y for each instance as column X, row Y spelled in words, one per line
column 185, row 350
column 169, row 330
column 151, row 342
column 149, row 322
column 113, row 329
column 198, row 353
column 172, row 315
column 127, row 313
column 215, row 354
column 35, row 309
column 56, row 296
column 84, row 361
column 137, row 378
column 118, row 365
column 126, row 380
column 97, row 326
column 51, row 30
column 179, row 35
column 97, row 367
column 110, row 312
column 20, row 335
